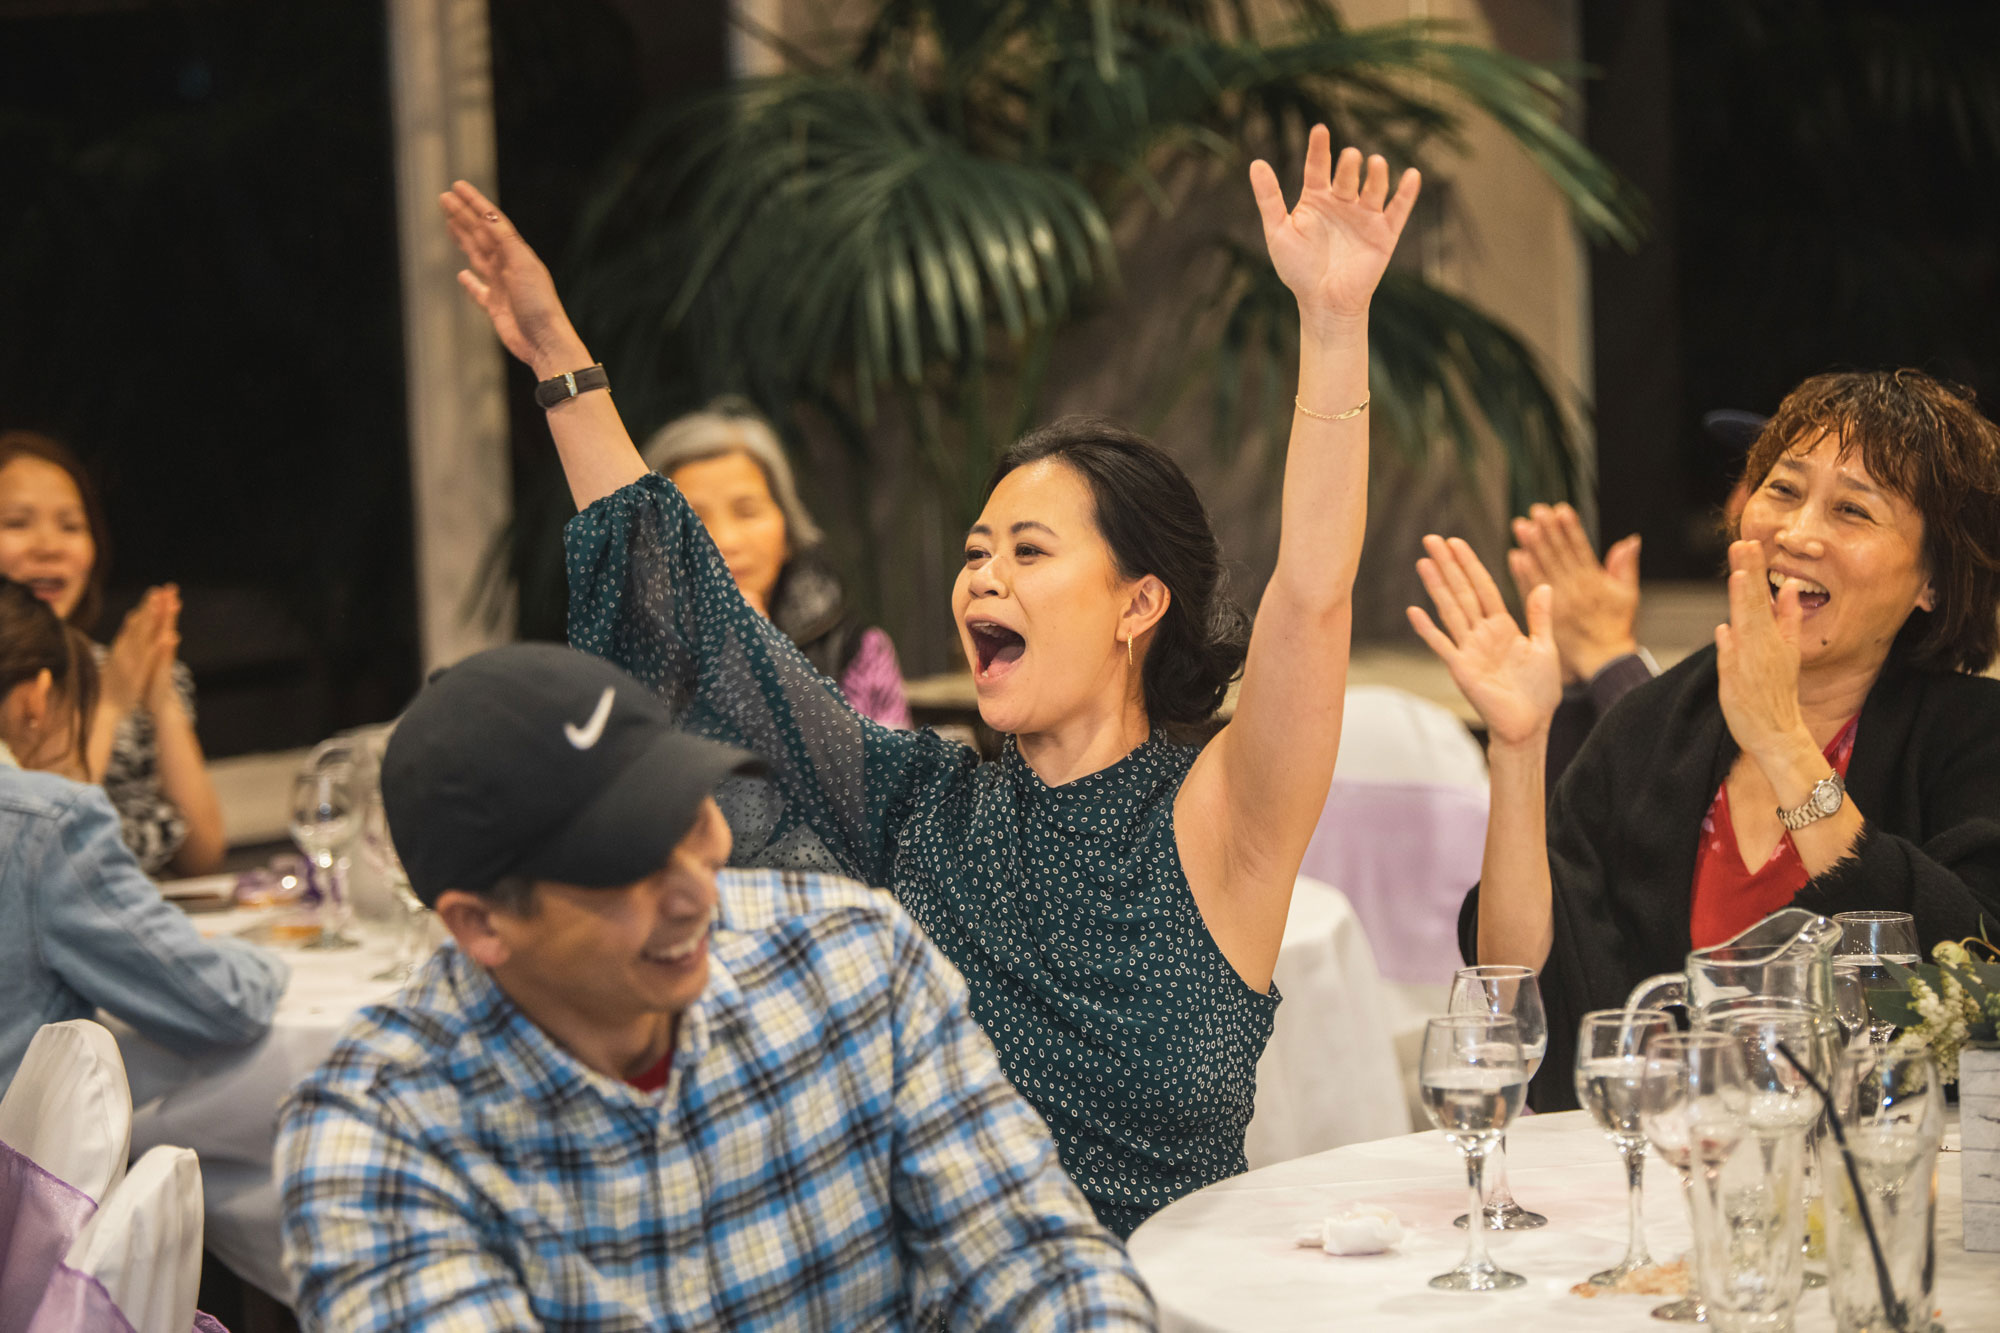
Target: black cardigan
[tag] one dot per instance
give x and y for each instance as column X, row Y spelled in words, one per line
column 1624, row 825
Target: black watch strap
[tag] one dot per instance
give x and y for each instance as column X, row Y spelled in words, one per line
column 569, row 384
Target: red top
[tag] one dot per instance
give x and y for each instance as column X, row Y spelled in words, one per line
column 652, row 1080
column 1729, row 897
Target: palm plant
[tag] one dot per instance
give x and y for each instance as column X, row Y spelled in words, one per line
column 914, row 223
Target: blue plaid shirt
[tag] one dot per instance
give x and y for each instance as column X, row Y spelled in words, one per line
column 835, row 1148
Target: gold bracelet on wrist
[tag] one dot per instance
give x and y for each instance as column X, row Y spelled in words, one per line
column 1353, row 411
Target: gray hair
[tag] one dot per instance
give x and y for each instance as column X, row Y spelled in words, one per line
column 733, row 426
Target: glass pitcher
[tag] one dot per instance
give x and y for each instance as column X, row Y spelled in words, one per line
column 1788, row 953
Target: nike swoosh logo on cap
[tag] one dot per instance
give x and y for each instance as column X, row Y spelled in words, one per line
column 587, row 735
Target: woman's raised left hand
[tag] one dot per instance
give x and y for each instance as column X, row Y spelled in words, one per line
column 1333, row 246
column 1757, row 661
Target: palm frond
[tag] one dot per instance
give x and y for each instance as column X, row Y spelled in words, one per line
column 1441, row 372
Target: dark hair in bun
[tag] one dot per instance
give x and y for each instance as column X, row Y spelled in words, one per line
column 1154, row 523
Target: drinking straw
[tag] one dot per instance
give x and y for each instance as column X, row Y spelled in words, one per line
column 1891, row 1307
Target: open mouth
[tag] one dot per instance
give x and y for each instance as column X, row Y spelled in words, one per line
column 1812, row 596
column 49, row 590
column 998, row 648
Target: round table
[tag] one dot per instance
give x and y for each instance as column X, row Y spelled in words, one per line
column 224, row 1104
column 1224, row 1258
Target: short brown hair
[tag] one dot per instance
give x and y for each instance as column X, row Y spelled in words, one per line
column 1928, row 442
column 32, row 444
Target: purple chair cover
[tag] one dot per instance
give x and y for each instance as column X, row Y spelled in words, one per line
column 39, row 1217
column 1404, row 853
column 77, row 1303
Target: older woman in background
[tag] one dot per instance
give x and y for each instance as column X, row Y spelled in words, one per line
column 729, row 464
column 1832, row 751
column 141, row 742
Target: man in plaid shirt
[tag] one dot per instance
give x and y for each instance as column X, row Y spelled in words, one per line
column 639, row 1092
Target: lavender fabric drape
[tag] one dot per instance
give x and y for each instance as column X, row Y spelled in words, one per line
column 39, row 1217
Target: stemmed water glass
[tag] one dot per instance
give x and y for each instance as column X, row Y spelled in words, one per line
column 324, row 813
column 1610, row 1063
column 1473, row 1078
column 1871, row 941
column 1511, row 992
column 1691, row 1101
column 380, row 849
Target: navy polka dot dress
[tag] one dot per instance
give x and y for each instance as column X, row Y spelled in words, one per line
column 1065, row 908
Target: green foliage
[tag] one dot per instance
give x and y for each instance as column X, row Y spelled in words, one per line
column 918, row 220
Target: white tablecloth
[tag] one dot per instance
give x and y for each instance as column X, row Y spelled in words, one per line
column 1224, row 1258
column 224, row 1104
column 1329, row 1075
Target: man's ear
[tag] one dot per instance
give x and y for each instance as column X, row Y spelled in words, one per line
column 469, row 918
column 1148, row 602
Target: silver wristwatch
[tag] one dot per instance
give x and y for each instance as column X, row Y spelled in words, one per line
column 1827, row 794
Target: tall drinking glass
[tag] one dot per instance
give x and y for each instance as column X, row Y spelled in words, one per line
column 1511, row 992
column 1473, row 1078
column 1850, row 1000
column 324, row 816
column 1890, row 1102
column 1750, row 1210
column 1872, row 940
column 1692, row 1094
column 1610, row 1062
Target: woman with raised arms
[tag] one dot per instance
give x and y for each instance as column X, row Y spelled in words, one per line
column 1114, row 900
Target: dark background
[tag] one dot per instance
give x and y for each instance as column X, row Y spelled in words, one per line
column 198, row 278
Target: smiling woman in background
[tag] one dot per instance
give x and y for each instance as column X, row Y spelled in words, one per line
column 728, row 463
column 1833, row 750
column 1114, row 900
column 81, row 927
column 141, row 744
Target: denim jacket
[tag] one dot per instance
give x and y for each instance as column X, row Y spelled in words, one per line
column 82, row 929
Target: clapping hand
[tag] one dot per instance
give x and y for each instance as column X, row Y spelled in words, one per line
column 143, row 652
column 1757, row 661
column 1513, row 679
column 511, row 284
column 1593, row 606
column 1333, row 246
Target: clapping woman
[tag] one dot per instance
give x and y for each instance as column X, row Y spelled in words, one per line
column 141, row 742
column 1833, row 750
column 1114, row 900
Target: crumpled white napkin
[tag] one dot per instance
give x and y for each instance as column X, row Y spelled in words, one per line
column 1358, row 1228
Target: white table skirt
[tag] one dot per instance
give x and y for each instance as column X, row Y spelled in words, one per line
column 1225, row 1259
column 1329, row 1075
column 224, row 1104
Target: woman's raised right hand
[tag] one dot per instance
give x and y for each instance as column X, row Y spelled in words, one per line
column 1513, row 680
column 511, row 284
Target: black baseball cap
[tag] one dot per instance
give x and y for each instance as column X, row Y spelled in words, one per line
column 541, row 761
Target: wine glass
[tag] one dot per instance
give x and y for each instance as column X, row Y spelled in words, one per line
column 1512, row 992
column 1610, row 1061
column 1871, row 941
column 323, row 819
column 1850, row 1000
column 1473, row 1078
column 1690, row 1095
column 380, row 849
